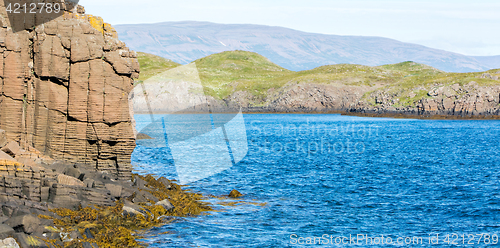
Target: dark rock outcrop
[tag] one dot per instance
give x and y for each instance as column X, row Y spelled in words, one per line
column 316, row 98
column 30, row 189
column 441, row 101
column 64, row 89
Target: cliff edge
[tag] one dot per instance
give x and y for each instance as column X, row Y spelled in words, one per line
column 64, row 88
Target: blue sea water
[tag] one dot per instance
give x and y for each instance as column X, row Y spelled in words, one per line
column 336, row 176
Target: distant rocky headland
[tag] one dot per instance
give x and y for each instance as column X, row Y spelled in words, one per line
column 243, row 80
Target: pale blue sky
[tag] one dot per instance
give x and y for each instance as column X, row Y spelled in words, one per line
column 467, row 27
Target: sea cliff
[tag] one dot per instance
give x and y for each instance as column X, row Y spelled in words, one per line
column 66, row 137
column 64, row 89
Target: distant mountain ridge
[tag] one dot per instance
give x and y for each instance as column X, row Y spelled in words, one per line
column 184, row 42
column 493, row 62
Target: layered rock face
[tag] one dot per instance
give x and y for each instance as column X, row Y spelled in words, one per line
column 450, row 100
column 439, row 101
column 64, row 90
column 32, row 185
column 317, row 97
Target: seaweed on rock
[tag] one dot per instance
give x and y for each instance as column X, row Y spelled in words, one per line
column 109, row 226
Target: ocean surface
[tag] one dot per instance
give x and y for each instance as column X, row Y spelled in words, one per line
column 314, row 180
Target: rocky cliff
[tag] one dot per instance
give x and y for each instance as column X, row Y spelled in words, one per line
column 444, row 100
column 64, row 88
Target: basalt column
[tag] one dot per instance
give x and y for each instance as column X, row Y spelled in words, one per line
column 64, row 90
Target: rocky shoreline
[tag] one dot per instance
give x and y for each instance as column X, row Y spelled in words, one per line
column 50, row 203
column 66, row 137
column 230, row 81
column 66, row 131
column 439, row 101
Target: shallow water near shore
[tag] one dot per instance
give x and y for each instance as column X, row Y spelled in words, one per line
column 315, row 175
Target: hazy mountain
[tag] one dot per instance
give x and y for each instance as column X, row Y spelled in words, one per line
column 184, row 42
column 492, row 62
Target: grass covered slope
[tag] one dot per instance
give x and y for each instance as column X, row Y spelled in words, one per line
column 152, row 65
column 225, row 73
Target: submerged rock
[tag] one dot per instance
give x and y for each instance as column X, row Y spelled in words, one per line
column 143, row 136
column 235, row 194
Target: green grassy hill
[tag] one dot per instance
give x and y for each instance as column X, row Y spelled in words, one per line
column 152, row 65
column 228, row 72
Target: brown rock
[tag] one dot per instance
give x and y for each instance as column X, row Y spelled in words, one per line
column 24, row 223
column 3, row 138
column 68, row 180
column 12, row 148
column 79, row 47
column 114, row 189
column 56, row 85
column 50, row 58
column 58, row 95
column 6, row 156
column 121, row 65
column 235, row 194
column 13, row 76
column 79, row 84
